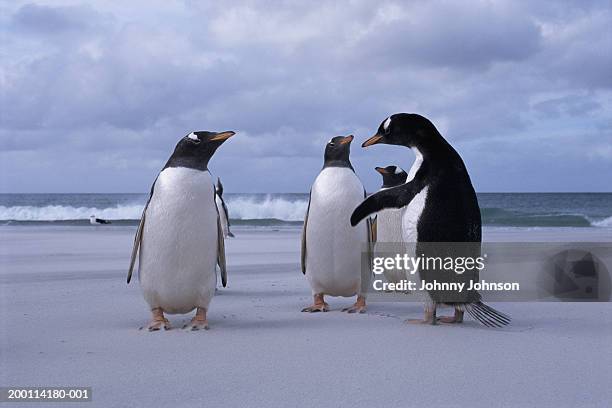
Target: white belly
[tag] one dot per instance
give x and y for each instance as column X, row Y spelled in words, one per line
column 389, row 239
column 222, row 217
column 333, row 263
column 179, row 246
column 389, row 225
column 412, row 213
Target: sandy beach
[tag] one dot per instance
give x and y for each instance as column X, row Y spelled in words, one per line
column 69, row 319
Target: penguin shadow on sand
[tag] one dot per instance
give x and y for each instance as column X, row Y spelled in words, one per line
column 439, row 205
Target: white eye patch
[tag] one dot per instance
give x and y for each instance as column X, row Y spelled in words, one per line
column 398, row 170
column 193, row 136
column 387, row 123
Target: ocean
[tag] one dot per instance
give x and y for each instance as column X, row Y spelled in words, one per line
column 581, row 210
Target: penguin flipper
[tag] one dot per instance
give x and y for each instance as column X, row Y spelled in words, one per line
column 374, row 229
column 138, row 237
column 137, row 241
column 219, row 187
column 219, row 194
column 395, row 197
column 227, row 220
column 221, row 252
column 303, row 254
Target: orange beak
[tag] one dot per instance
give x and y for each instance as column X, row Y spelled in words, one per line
column 372, row 141
column 223, row 135
column 347, row 139
column 381, row 170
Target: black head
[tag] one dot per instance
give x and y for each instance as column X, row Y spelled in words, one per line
column 337, row 152
column 195, row 150
column 406, row 129
column 392, row 176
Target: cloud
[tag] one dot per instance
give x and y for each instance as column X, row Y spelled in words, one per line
column 46, row 20
column 451, row 35
column 117, row 84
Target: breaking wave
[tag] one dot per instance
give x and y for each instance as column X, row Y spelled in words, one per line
column 251, row 210
column 243, row 210
column 64, row 213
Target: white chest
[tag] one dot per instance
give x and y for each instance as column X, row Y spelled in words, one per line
column 412, row 214
column 414, row 209
column 333, row 245
column 179, row 245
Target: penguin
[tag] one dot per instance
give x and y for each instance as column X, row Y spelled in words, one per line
column 331, row 249
column 440, row 206
column 97, row 221
column 222, row 208
column 389, row 221
column 180, row 239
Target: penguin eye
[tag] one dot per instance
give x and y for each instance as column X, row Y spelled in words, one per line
column 332, row 144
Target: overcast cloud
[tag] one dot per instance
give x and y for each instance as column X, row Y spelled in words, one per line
column 94, row 95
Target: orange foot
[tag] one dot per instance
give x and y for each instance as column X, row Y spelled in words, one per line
column 198, row 322
column 159, row 321
column 318, row 306
column 457, row 318
column 358, row 307
column 428, row 318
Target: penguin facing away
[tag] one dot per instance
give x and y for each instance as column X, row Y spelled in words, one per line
column 222, row 208
column 389, row 220
column 440, row 206
column 331, row 248
column 180, row 239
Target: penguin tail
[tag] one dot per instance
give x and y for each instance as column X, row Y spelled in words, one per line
column 486, row 315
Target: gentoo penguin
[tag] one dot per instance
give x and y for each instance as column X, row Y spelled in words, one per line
column 389, row 221
column 222, row 208
column 331, row 249
column 180, row 236
column 97, row 221
column 440, row 206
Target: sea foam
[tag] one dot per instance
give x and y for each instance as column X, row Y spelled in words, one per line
column 240, row 208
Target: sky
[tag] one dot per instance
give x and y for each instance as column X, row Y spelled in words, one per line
column 94, row 95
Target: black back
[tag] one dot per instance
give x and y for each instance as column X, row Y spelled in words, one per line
column 451, row 212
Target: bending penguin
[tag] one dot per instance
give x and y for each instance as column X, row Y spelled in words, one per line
column 440, row 205
column 222, row 208
column 331, row 249
column 180, row 238
column 389, row 221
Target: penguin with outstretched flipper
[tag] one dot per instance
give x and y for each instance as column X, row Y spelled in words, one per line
column 440, row 206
